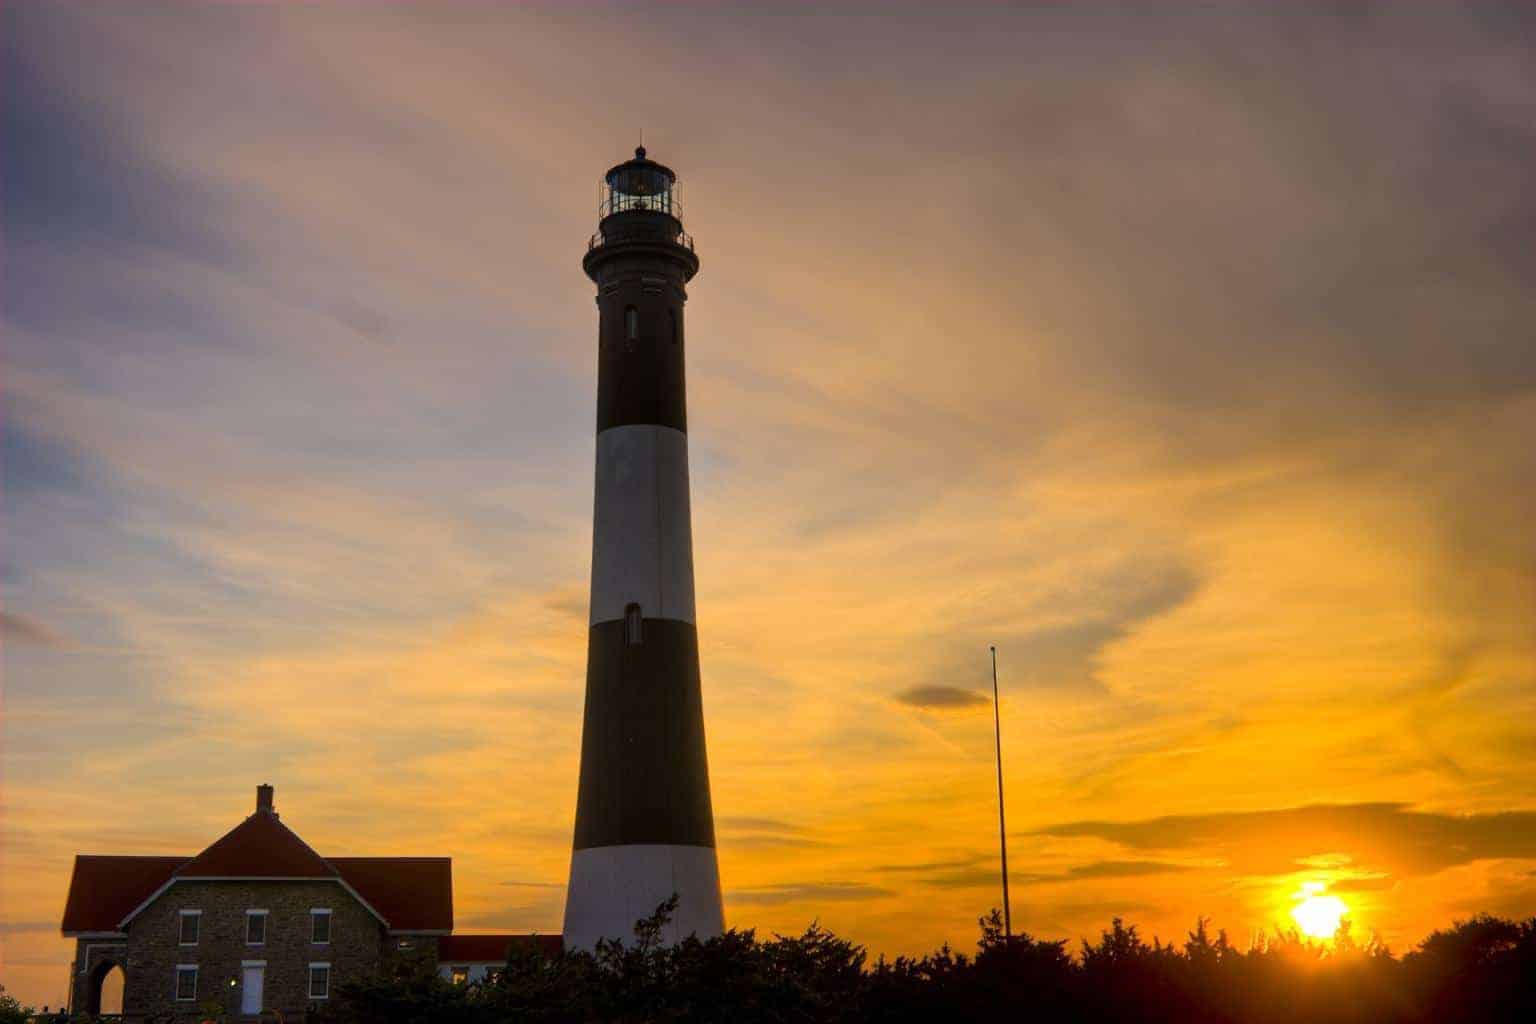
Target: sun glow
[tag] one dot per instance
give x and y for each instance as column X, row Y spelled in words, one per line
column 1318, row 915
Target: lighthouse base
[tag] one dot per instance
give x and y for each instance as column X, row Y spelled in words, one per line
column 612, row 887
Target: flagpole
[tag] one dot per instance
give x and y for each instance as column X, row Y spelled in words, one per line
column 1002, row 827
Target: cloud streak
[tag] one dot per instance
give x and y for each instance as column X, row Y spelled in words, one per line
column 808, row 893
column 1391, row 836
column 21, row 630
column 942, row 698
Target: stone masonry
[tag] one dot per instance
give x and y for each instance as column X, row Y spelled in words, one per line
column 359, row 946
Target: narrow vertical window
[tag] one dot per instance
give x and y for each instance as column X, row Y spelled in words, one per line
column 186, row 983
column 631, row 323
column 320, row 926
column 634, row 631
column 191, row 920
column 674, row 326
column 319, row 981
column 255, row 927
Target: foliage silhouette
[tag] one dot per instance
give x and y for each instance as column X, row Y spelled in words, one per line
column 1477, row 971
column 11, row 1010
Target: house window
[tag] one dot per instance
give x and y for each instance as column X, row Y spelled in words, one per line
column 631, row 323
column 255, row 927
column 634, row 626
column 190, row 926
column 319, row 981
column 320, row 925
column 460, row 975
column 186, row 983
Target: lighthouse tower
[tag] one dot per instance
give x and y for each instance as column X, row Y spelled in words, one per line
column 644, row 826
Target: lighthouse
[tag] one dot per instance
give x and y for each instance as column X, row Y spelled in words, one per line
column 644, row 826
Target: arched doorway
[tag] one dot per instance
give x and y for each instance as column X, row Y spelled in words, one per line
column 104, row 988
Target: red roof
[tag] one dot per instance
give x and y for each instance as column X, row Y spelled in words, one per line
column 412, row 893
column 409, row 893
column 104, row 890
column 261, row 846
column 491, row 949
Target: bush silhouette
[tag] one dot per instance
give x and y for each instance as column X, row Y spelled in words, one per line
column 1477, row 971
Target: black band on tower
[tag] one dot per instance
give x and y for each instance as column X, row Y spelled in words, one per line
column 644, row 774
column 640, row 360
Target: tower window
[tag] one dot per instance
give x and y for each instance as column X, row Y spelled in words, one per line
column 634, row 630
column 674, row 325
column 631, row 323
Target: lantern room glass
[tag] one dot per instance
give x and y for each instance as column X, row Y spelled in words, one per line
column 638, row 186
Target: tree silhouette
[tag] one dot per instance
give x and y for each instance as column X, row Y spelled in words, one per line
column 1477, row 971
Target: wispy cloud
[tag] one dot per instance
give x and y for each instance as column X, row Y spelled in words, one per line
column 1118, row 869
column 808, row 894
column 1391, row 836
column 942, row 698
column 21, row 630
column 27, row 927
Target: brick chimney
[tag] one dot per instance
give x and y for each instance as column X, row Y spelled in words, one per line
column 264, row 799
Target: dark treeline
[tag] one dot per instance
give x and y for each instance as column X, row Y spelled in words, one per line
column 1476, row 971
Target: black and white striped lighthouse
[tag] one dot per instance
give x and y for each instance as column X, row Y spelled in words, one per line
column 644, row 826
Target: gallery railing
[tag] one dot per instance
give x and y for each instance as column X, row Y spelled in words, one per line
column 598, row 240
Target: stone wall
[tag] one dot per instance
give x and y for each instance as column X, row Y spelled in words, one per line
column 94, row 958
column 358, row 946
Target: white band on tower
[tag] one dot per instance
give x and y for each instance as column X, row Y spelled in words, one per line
column 642, row 541
column 612, row 887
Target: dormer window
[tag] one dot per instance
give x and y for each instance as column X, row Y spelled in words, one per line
column 255, row 927
column 190, row 925
column 634, row 626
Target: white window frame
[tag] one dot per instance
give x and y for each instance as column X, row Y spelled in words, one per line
column 181, row 919
column 309, row 985
column 265, row 920
column 319, row 912
column 176, row 995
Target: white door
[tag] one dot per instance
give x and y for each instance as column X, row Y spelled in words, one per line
column 250, row 990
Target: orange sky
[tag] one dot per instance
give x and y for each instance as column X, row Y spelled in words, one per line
column 1185, row 356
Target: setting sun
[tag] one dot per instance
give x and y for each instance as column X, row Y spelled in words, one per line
column 1318, row 915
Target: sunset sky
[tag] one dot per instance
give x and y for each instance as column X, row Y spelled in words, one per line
column 1188, row 356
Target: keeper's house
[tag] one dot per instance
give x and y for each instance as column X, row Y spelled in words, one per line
column 259, row 922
